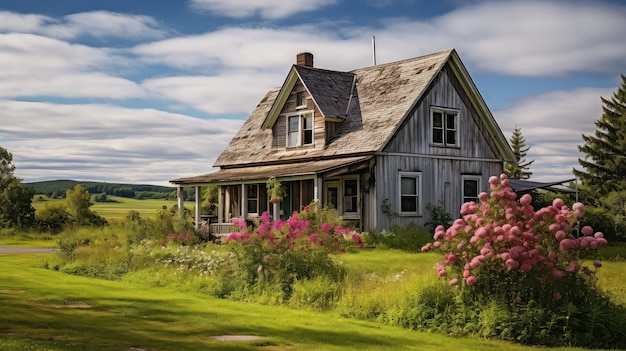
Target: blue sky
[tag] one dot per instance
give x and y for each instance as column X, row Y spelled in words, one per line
column 148, row 91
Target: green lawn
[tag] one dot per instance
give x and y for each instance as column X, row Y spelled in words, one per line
column 47, row 310
column 117, row 207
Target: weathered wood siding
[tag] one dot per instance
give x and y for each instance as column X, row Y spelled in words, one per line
column 414, row 136
column 442, row 168
column 442, row 181
column 279, row 130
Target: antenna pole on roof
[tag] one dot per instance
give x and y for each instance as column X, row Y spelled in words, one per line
column 374, row 49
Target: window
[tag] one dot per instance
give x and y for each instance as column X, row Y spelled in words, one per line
column 445, row 127
column 300, row 99
column 410, row 189
column 350, row 195
column 253, row 201
column 300, row 130
column 471, row 188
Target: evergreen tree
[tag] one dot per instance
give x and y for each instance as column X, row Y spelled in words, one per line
column 519, row 169
column 605, row 151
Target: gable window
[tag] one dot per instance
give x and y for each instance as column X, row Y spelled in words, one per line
column 300, row 99
column 445, row 127
column 300, row 130
column 471, row 188
column 410, row 193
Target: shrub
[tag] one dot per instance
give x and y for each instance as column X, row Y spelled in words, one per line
column 52, row 218
column 280, row 253
column 509, row 263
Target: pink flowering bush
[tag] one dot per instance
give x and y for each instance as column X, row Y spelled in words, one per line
column 501, row 250
column 283, row 252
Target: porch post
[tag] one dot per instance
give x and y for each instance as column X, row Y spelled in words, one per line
column 220, row 205
column 227, row 204
column 244, row 202
column 197, row 207
column 180, row 196
column 276, row 209
column 317, row 186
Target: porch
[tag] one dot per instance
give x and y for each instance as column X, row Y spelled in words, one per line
column 242, row 192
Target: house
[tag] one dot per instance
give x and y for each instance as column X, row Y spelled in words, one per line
column 377, row 143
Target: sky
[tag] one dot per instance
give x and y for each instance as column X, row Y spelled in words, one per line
column 149, row 91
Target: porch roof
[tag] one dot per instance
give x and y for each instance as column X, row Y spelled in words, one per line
column 328, row 167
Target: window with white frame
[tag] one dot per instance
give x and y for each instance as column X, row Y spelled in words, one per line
column 445, row 124
column 300, row 129
column 350, row 195
column 253, row 200
column 471, row 188
column 410, row 192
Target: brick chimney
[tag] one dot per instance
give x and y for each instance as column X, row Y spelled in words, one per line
column 304, row 59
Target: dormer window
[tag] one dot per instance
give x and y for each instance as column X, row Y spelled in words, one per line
column 300, row 130
column 300, row 99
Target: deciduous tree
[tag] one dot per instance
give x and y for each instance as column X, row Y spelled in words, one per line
column 16, row 208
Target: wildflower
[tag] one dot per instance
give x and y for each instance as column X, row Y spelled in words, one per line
column 597, row 264
column 453, row 282
column 557, row 296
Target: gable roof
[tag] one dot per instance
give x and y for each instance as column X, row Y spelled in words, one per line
column 383, row 96
column 330, row 91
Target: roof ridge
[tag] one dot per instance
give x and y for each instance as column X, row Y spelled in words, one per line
column 418, row 58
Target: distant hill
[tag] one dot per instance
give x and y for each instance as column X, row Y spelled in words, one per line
column 57, row 188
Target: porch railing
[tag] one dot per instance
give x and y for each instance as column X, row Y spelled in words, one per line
column 223, row 229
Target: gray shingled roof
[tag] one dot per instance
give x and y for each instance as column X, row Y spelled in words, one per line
column 384, row 94
column 329, row 89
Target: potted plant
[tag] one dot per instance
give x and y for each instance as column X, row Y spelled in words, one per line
column 275, row 190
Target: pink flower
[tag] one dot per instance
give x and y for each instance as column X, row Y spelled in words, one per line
column 325, row 227
column 597, row 264
column 426, row 247
column 558, row 203
column 483, row 197
column 471, row 280
column 556, row 274
column 557, row 295
column 579, row 210
column 454, row 282
column 587, row 230
column 526, row 199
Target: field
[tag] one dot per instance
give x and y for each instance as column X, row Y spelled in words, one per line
column 117, row 207
column 47, row 310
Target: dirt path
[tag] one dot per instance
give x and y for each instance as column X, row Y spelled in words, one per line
column 17, row 249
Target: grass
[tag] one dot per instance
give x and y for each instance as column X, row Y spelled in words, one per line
column 117, row 207
column 48, row 310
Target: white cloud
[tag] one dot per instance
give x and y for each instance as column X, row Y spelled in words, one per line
column 97, row 24
column 32, row 65
column 270, row 9
column 105, row 142
column 552, row 124
column 215, row 94
column 526, row 38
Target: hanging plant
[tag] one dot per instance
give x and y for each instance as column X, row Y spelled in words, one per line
column 275, row 190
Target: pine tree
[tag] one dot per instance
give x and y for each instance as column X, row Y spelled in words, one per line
column 519, row 169
column 605, row 151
